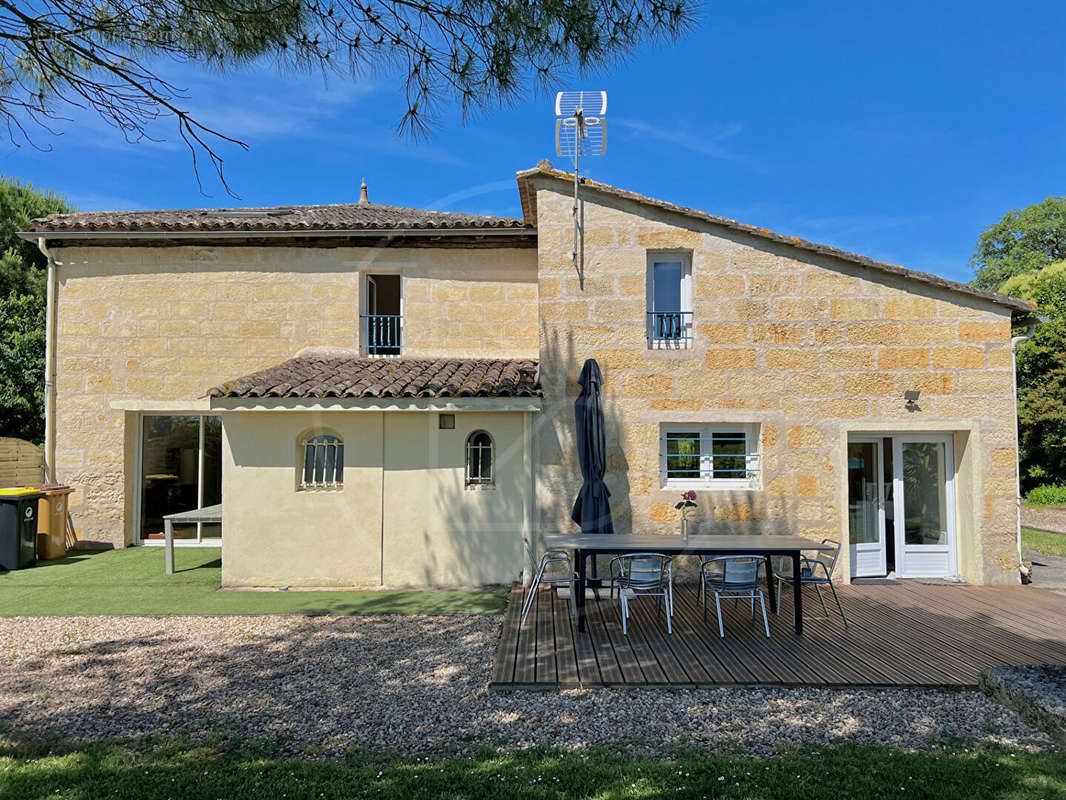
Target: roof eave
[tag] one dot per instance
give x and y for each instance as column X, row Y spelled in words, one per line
column 349, row 233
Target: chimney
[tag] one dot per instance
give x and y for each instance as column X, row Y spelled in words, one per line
column 364, row 199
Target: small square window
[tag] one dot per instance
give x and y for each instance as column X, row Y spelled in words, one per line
column 446, row 422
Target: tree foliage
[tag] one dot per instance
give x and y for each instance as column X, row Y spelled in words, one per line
column 22, row 320
column 1041, row 364
column 1025, row 240
column 22, row 310
column 104, row 54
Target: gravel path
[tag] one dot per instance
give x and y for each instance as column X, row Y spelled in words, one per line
column 322, row 685
column 1050, row 518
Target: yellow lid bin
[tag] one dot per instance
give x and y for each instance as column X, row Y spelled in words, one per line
column 18, row 491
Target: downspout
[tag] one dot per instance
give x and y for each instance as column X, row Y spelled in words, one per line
column 1030, row 331
column 49, row 365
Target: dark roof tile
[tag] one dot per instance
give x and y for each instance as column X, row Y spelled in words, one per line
column 342, row 217
column 350, row 377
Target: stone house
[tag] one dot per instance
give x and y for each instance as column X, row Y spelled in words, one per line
column 384, row 396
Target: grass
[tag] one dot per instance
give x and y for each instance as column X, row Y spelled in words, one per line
column 1052, row 544
column 192, row 773
column 132, row 581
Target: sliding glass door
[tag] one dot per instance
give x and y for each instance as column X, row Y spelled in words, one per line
column 180, row 470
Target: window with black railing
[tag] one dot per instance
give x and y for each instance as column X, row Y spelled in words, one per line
column 669, row 322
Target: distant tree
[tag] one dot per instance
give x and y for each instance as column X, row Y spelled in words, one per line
column 22, row 310
column 22, row 265
column 105, row 54
column 22, row 320
column 1023, row 241
column 1041, row 366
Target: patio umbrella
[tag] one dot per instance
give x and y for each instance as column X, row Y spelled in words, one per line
column 592, row 509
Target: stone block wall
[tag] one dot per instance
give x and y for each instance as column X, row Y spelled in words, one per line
column 164, row 324
column 807, row 346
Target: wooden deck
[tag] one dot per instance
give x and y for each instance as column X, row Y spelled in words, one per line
column 905, row 634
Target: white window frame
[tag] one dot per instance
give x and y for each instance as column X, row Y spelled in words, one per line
column 490, row 483
column 330, row 482
column 705, row 430
column 667, row 257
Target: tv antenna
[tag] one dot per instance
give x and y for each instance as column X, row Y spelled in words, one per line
column 580, row 130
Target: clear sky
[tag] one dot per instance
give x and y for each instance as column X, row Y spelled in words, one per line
column 896, row 130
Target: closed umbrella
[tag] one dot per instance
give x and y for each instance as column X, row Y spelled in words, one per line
column 592, row 509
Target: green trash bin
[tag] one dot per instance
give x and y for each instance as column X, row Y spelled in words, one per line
column 18, row 527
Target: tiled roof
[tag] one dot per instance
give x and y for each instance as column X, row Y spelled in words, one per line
column 350, row 377
column 345, row 217
column 528, row 195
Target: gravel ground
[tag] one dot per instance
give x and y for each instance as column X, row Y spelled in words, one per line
column 322, row 685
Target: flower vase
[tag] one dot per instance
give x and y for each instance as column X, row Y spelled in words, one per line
column 684, row 527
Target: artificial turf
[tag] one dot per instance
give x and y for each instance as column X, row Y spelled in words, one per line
column 132, row 581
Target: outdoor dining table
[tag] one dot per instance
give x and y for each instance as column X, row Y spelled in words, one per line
column 211, row 515
column 593, row 544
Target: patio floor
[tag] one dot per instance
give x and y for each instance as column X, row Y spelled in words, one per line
column 904, row 634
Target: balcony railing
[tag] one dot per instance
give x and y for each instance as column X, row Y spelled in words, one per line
column 382, row 334
column 670, row 326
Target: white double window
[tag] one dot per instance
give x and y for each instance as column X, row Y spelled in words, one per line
column 710, row 455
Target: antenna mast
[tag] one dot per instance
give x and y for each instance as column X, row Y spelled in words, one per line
column 580, row 128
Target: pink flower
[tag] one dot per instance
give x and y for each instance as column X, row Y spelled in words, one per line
column 689, row 495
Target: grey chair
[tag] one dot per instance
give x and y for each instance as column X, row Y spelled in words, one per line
column 553, row 569
column 644, row 575
column 736, row 578
column 816, row 572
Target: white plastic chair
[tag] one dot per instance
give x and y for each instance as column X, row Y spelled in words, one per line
column 738, row 579
column 554, row 569
column 644, row 575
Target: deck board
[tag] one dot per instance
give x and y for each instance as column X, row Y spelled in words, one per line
column 905, row 634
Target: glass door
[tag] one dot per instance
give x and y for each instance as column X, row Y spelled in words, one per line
column 866, row 508
column 924, row 489
column 180, row 470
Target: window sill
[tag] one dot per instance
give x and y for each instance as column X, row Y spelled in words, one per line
column 669, row 344
column 710, row 485
column 480, row 487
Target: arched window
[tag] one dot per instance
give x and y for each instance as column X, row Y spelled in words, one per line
column 479, row 459
column 323, row 463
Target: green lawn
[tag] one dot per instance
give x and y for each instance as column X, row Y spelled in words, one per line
column 132, row 581
column 849, row 772
column 1053, row 544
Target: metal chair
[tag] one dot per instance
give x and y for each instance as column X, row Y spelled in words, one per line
column 738, row 579
column 644, row 575
column 554, row 569
column 826, row 560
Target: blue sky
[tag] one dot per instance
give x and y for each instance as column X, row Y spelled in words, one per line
column 895, row 130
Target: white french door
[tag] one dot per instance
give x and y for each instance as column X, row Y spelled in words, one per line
column 924, row 497
column 901, row 505
column 866, row 507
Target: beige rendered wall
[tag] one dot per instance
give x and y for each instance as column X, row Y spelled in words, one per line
column 274, row 535
column 412, row 523
column 437, row 532
column 164, row 324
column 805, row 345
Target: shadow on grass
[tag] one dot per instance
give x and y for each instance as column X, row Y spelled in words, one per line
column 175, row 769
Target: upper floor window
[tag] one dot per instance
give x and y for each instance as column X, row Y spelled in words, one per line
column 479, row 460
column 323, row 462
column 669, row 291
column 717, row 455
column 381, row 332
